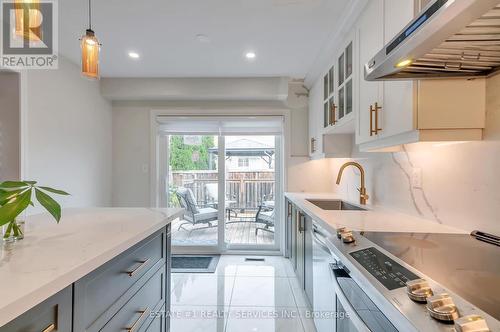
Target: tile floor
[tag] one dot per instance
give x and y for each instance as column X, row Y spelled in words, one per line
column 240, row 296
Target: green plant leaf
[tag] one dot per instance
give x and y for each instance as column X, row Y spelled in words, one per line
column 55, row 191
column 6, row 195
column 31, row 182
column 49, row 204
column 12, row 209
column 14, row 184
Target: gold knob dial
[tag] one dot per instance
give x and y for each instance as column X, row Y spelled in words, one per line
column 340, row 231
column 442, row 307
column 347, row 237
column 418, row 290
column 471, row 323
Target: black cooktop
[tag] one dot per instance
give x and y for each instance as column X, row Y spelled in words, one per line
column 459, row 262
column 388, row 272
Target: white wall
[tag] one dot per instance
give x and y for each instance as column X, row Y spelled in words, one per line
column 68, row 135
column 460, row 179
column 10, row 143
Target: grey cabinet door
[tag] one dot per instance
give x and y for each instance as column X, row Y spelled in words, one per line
column 168, row 281
column 308, row 258
column 300, row 269
column 293, row 235
column 53, row 314
column 100, row 294
column 137, row 311
column 288, row 233
column 155, row 323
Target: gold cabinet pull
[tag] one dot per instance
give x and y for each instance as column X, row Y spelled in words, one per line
column 371, row 120
column 50, row 328
column 313, row 145
column 333, row 111
column 299, row 222
column 136, row 323
column 374, row 128
column 138, row 268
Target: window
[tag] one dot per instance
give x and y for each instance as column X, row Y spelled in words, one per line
column 243, row 162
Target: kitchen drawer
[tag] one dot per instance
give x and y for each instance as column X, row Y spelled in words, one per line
column 100, row 294
column 52, row 315
column 138, row 309
column 155, row 323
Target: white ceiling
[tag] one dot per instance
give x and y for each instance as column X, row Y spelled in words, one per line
column 286, row 35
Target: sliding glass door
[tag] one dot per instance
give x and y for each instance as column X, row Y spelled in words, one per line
column 250, row 163
column 226, row 174
column 193, row 181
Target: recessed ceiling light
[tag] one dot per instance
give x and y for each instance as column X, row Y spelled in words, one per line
column 134, row 55
column 202, row 38
column 250, row 55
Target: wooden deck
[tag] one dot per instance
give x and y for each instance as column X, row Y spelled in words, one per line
column 236, row 233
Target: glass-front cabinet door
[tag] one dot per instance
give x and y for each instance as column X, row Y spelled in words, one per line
column 344, row 82
column 329, row 106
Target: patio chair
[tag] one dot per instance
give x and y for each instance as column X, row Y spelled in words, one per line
column 266, row 217
column 213, row 194
column 193, row 214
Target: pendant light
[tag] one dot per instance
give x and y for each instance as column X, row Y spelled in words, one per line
column 33, row 30
column 90, row 51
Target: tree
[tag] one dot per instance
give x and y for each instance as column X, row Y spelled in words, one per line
column 181, row 155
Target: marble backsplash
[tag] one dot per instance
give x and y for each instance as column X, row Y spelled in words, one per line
column 460, row 181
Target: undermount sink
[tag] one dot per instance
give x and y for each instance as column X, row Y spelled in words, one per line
column 334, row 204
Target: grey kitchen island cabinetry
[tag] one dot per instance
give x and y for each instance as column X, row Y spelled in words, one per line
column 129, row 292
column 52, row 315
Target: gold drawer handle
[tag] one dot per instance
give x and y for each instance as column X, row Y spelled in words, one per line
column 374, row 113
column 136, row 323
column 137, row 269
column 313, row 145
column 50, row 328
column 333, row 111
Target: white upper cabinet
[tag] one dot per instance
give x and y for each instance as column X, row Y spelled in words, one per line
column 392, row 113
column 370, row 32
column 324, row 145
column 397, row 106
column 315, row 120
column 384, row 114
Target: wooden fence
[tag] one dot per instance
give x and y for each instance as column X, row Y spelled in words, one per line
column 246, row 189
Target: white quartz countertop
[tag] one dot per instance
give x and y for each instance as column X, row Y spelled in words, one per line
column 375, row 219
column 52, row 257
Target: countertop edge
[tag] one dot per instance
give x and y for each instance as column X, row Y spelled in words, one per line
column 28, row 301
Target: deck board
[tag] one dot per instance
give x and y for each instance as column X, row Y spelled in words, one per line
column 236, row 233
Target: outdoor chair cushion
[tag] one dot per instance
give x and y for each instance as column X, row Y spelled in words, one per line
column 267, row 217
column 188, row 197
column 206, row 214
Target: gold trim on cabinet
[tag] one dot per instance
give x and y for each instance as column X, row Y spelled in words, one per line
column 333, row 113
column 135, row 325
column 313, row 145
column 138, row 268
column 374, row 112
column 50, row 328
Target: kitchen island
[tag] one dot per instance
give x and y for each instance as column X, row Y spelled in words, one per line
column 78, row 255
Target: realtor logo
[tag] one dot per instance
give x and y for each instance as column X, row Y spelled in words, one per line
column 29, row 34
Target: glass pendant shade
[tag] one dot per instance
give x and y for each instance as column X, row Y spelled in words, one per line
column 33, row 30
column 90, row 55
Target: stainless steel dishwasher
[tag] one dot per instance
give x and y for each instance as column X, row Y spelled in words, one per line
column 323, row 283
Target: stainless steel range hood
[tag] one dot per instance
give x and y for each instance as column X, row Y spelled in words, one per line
column 449, row 38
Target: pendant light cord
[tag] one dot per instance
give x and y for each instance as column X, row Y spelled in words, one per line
column 90, row 15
